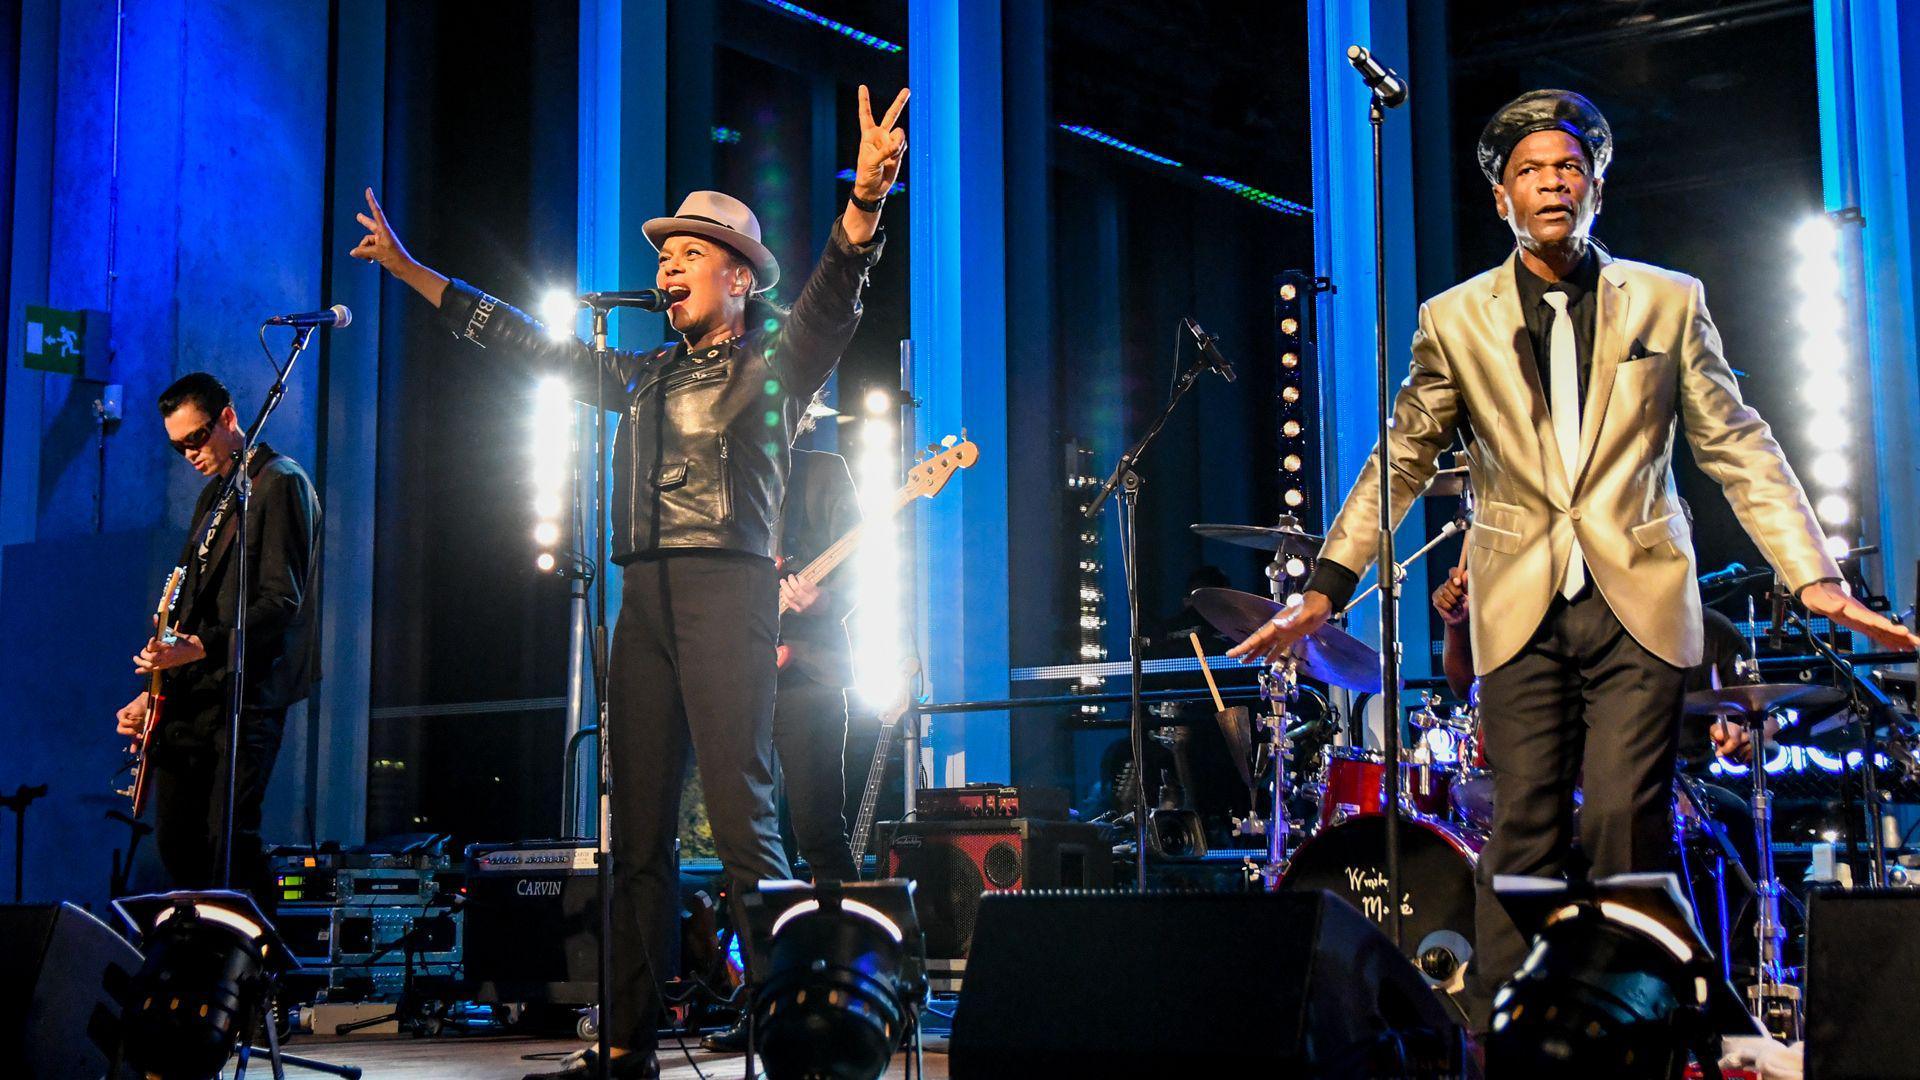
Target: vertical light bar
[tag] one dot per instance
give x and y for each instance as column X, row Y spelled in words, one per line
column 550, row 461
column 1827, row 373
column 877, row 625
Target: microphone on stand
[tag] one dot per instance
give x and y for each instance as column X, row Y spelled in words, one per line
column 1390, row 88
column 644, row 299
column 1733, row 571
column 338, row 316
column 1208, row 349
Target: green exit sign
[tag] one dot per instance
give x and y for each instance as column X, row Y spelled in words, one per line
column 56, row 340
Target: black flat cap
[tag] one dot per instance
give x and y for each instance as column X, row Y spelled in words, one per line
column 1544, row 110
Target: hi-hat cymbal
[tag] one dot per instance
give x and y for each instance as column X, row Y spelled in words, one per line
column 1749, row 698
column 1265, row 537
column 1329, row 654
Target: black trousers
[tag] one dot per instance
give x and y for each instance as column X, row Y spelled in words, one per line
column 691, row 675
column 1582, row 704
column 190, row 791
column 810, row 740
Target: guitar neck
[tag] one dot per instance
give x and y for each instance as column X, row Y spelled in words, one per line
column 863, row 822
column 829, row 560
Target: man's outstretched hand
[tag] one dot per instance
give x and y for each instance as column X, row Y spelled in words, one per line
column 1272, row 640
column 1834, row 602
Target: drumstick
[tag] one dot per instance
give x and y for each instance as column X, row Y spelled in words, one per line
column 1201, row 652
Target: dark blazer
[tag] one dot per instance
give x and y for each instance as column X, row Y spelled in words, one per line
column 283, row 541
column 821, row 506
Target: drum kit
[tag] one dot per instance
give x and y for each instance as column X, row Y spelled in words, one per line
column 1447, row 801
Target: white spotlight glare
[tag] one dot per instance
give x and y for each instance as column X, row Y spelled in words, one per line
column 1831, row 470
column 546, row 534
column 557, row 310
column 1834, row 510
column 878, row 402
column 1837, row 546
column 546, row 505
column 1824, row 353
column 545, row 562
column 1815, row 238
column 1821, row 315
column 1817, row 278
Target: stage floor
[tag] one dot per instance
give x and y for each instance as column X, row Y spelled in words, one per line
column 491, row 1057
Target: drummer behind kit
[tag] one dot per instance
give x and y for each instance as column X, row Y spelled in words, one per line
column 1447, row 791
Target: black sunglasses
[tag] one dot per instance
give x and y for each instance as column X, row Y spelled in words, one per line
column 194, row 440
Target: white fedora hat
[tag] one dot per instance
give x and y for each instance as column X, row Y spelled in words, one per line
column 723, row 218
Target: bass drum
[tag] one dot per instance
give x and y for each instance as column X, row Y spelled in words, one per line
column 1349, row 860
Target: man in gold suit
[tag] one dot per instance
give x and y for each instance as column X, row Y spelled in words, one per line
column 1565, row 370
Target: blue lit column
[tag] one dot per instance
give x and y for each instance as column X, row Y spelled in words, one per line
column 350, row 444
column 1869, row 152
column 960, row 366
column 623, row 182
column 1343, row 246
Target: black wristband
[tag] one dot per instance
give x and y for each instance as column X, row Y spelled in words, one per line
column 865, row 206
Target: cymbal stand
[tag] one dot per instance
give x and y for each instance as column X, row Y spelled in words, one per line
column 1775, row 1001
column 1279, row 683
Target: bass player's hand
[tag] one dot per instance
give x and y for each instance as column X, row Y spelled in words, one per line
column 132, row 717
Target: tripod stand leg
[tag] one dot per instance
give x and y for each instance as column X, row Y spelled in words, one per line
column 281, row 1060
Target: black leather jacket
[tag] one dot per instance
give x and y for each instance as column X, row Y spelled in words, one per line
column 700, row 459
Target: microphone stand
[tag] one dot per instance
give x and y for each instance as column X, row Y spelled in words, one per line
column 239, row 486
column 603, row 864
column 1389, row 579
column 1128, row 481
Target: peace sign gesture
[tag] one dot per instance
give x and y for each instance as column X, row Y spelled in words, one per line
column 882, row 146
column 379, row 245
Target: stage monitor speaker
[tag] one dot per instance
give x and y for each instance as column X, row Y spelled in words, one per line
column 953, row 862
column 1863, row 1016
column 62, row 973
column 1192, row 984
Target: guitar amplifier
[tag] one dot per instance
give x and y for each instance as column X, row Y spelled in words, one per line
column 977, row 801
column 532, row 922
column 955, row 863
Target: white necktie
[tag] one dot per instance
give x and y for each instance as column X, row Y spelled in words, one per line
column 1563, row 398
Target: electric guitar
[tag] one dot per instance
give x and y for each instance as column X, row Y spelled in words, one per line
column 924, row 481
column 138, row 789
column 889, row 722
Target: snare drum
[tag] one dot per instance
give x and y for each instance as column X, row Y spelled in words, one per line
column 1353, row 784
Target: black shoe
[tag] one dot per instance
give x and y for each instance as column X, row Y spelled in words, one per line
column 731, row 1040
column 585, row 1065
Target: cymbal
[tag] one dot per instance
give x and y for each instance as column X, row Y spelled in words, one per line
column 1447, row 482
column 1760, row 698
column 1265, row 537
column 1841, row 732
column 1329, row 654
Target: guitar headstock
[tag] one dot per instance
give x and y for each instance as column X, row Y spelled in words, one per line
column 169, row 597
column 931, row 474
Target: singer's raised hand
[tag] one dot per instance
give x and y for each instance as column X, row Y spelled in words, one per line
column 381, row 247
column 883, row 146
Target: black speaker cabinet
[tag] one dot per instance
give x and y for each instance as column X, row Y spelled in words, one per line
column 954, row 862
column 62, row 973
column 1863, row 1014
column 533, row 922
column 1192, row 984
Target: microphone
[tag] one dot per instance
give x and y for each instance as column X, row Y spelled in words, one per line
column 644, row 299
column 1207, row 349
column 1390, row 88
column 1730, row 572
column 337, row 316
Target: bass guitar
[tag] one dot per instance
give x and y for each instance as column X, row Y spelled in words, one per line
column 870, row 795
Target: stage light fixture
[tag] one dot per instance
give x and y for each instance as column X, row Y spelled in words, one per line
column 1294, row 497
column 550, row 453
column 1832, row 470
column 210, row 962
column 877, row 619
column 1834, row 510
column 1291, row 429
column 839, row 976
column 1617, row 982
column 1837, row 546
column 558, row 312
column 1290, row 327
column 1827, row 367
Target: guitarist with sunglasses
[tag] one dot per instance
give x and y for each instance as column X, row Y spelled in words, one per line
column 185, row 740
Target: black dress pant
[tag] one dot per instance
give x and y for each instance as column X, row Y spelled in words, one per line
column 1582, row 704
column 691, row 675
column 810, row 741
column 190, row 791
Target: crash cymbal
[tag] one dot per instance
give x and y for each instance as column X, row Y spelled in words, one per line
column 1760, row 698
column 1284, row 540
column 1329, row 654
column 1447, row 482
